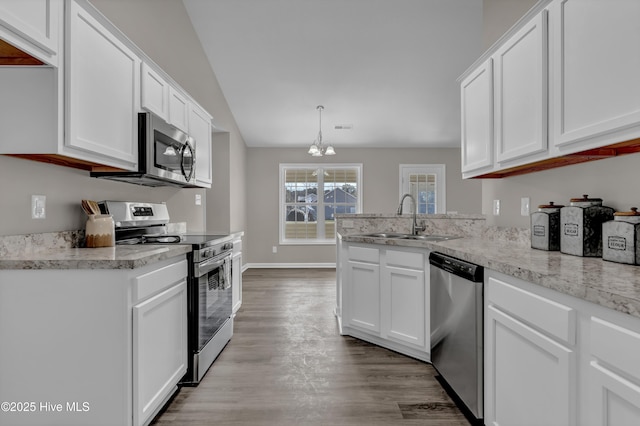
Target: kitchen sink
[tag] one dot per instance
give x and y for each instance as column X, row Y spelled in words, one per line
column 397, row 235
column 429, row 237
column 384, row 235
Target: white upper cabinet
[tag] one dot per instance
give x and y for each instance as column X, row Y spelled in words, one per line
column 102, row 91
column 38, row 23
column 521, row 92
column 476, row 93
column 155, row 92
column 566, row 79
column 161, row 96
column 595, row 68
column 200, row 130
column 178, row 109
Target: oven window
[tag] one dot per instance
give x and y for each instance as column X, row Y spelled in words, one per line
column 168, row 154
column 214, row 303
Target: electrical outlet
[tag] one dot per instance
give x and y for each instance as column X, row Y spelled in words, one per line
column 38, row 207
column 525, row 207
column 198, row 200
column 496, row 207
column 275, row 249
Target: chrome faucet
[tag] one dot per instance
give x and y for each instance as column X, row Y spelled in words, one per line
column 414, row 225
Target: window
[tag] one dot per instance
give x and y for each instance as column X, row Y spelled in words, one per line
column 426, row 182
column 310, row 197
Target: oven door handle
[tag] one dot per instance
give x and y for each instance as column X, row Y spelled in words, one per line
column 209, row 265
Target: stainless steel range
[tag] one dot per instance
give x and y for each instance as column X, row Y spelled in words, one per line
column 210, row 322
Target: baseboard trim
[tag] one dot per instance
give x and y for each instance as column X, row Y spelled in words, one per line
column 289, row 265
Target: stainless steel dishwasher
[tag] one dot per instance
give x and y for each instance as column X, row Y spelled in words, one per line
column 457, row 329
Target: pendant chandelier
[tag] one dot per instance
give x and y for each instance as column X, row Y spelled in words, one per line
column 317, row 149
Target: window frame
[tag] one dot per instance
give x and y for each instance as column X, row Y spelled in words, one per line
column 441, row 185
column 282, row 205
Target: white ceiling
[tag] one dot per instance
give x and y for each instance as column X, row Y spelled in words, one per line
column 387, row 67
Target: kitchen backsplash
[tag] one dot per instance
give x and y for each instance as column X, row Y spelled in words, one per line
column 32, row 243
column 460, row 225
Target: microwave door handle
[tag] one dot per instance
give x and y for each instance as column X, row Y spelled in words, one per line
column 193, row 161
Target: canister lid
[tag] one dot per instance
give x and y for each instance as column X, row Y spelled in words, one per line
column 551, row 205
column 634, row 212
column 585, row 201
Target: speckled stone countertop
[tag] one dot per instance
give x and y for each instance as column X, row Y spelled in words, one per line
column 119, row 257
column 612, row 285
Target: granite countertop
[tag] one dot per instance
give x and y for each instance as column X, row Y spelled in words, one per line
column 609, row 284
column 119, row 257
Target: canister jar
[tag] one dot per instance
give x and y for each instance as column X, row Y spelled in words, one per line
column 100, row 231
column 620, row 238
column 545, row 227
column 581, row 226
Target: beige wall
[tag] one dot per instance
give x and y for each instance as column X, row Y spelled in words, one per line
column 613, row 180
column 380, row 193
column 163, row 30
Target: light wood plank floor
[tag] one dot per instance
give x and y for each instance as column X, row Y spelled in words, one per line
column 287, row 365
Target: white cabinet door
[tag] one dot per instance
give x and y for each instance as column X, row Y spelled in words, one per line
column 528, row 376
column 405, row 310
column 477, row 118
column 38, row 22
column 595, row 69
column 521, row 92
column 200, row 131
column 614, row 374
column 363, row 297
column 103, row 92
column 236, row 281
column 178, row 110
column 155, row 92
column 159, row 349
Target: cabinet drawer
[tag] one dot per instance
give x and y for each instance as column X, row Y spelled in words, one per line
column 364, row 254
column 615, row 345
column 155, row 281
column 405, row 259
column 551, row 317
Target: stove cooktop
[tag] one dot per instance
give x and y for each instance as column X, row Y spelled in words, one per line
column 204, row 240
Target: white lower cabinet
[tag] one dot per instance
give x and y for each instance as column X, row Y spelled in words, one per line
column 553, row 359
column 236, row 275
column 159, row 355
column 384, row 297
column 107, row 346
column 405, row 315
column 614, row 374
column 527, row 371
column 362, row 310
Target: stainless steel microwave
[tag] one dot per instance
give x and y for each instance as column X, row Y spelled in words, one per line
column 166, row 156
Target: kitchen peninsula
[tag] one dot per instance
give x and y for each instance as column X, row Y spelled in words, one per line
column 560, row 331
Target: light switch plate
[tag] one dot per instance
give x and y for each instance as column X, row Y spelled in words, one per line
column 38, row 207
column 198, row 200
column 525, row 206
column 496, row 207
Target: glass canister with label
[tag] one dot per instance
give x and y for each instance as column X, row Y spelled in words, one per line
column 545, row 227
column 620, row 238
column 581, row 226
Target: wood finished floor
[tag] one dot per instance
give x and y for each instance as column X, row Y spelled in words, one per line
column 287, row 365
